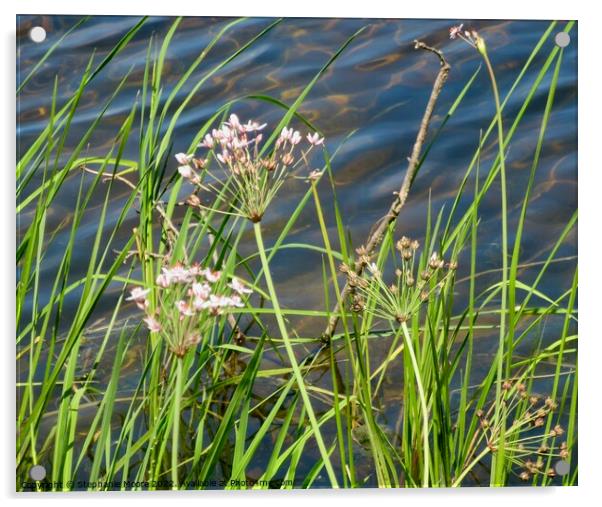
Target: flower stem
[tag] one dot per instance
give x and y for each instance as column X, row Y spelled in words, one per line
column 498, row 461
column 424, row 406
column 458, row 481
column 176, row 424
column 291, row 355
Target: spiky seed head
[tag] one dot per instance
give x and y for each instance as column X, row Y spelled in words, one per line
column 403, row 243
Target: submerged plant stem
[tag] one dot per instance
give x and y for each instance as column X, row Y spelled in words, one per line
column 291, row 355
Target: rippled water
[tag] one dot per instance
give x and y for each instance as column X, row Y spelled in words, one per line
column 379, row 87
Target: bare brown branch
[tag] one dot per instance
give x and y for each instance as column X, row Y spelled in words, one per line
column 379, row 229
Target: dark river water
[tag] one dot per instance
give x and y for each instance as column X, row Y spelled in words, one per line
column 378, row 87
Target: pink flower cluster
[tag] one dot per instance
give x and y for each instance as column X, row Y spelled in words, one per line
column 187, row 299
column 235, row 147
column 469, row 36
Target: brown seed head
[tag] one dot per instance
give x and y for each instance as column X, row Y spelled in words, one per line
column 343, row 268
column 551, row 404
column 199, row 163
column 361, row 250
column 403, row 243
column 193, row 200
column 269, row 164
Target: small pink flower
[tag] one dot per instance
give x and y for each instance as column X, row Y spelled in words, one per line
column 285, row 135
column 201, row 290
column 152, row 324
column 208, row 142
column 454, row 31
column 239, row 287
column 315, row 139
column 186, row 171
column 295, row 138
column 235, row 122
column 163, row 280
column 138, row 294
column 184, row 308
column 199, row 303
column 227, row 134
column 224, row 157
column 239, row 144
column 253, row 125
column 212, row 276
column 235, row 301
column 178, row 274
column 183, row 159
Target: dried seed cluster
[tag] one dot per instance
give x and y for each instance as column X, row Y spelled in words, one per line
column 401, row 299
column 527, row 447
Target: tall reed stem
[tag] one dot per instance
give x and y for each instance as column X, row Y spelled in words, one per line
column 176, row 424
column 423, row 405
column 498, row 458
column 291, row 356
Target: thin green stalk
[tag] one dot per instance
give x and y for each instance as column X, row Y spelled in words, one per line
column 333, row 271
column 498, row 459
column 176, row 424
column 423, row 404
column 472, row 464
column 291, row 355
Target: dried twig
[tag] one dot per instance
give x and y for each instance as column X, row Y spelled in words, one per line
column 379, row 229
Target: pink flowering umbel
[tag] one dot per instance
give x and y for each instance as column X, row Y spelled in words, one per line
column 188, row 300
column 252, row 178
column 471, row 37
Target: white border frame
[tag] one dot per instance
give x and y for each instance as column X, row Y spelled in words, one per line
column 590, row 187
